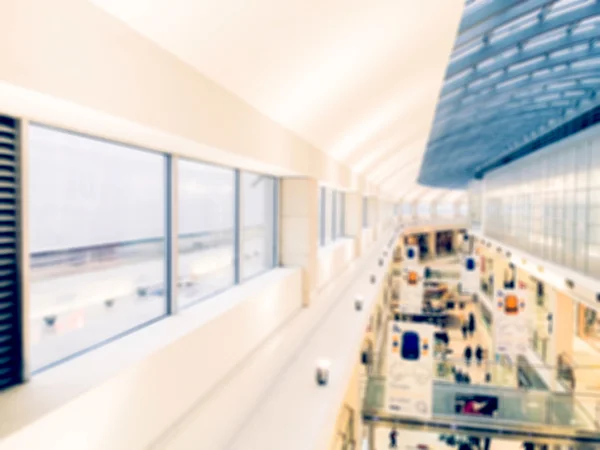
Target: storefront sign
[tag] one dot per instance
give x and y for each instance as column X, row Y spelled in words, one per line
column 412, row 293
column 469, row 277
column 510, row 322
column 409, row 384
column 411, row 256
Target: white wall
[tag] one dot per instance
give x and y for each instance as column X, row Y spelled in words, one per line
column 131, row 408
column 332, row 260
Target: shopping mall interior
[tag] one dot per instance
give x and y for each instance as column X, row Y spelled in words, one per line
column 370, row 225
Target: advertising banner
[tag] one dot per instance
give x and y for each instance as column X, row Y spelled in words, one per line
column 476, row 405
column 469, row 276
column 409, row 385
column 510, row 322
column 411, row 256
column 412, row 290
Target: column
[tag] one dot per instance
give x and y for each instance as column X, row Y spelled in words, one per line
column 299, row 240
column 562, row 338
column 431, row 244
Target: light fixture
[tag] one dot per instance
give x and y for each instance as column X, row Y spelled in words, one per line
column 358, row 302
column 373, row 278
column 322, row 372
column 380, row 262
column 570, row 283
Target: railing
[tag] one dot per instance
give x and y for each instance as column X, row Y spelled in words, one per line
column 515, row 407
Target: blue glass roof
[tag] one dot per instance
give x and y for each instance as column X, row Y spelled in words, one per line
column 518, row 69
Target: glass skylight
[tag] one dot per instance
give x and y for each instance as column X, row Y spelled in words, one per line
column 515, row 25
column 525, row 64
column 590, row 62
column 512, row 81
column 561, row 85
column 565, row 6
column 546, row 38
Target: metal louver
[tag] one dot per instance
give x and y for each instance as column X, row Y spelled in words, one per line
column 11, row 355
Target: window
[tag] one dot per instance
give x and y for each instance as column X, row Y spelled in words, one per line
column 257, row 253
column 365, row 211
column 206, row 230
column 341, row 215
column 334, row 214
column 322, row 213
column 97, row 242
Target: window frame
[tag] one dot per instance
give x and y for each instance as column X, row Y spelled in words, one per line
column 170, row 233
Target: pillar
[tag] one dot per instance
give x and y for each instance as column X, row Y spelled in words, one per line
column 431, row 244
column 562, row 338
column 299, row 230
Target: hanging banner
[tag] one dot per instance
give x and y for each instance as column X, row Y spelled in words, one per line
column 409, row 383
column 412, row 290
column 469, row 276
column 510, row 322
column 411, row 256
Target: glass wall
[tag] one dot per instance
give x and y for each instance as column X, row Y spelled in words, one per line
column 424, row 210
column 98, row 228
column 548, row 204
column 445, row 210
column 97, row 242
column 588, row 326
column 258, row 224
column 206, row 230
column 475, row 200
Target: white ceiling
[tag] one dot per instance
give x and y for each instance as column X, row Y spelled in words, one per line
column 358, row 79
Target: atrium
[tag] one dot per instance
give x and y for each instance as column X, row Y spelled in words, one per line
column 299, row 224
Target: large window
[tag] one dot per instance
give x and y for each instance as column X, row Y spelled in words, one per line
column 206, row 230
column 322, row 216
column 258, row 224
column 97, row 242
column 332, row 210
column 547, row 203
column 340, row 221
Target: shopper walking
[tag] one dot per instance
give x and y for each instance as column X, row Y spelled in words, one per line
column 393, row 438
column 479, row 355
column 465, row 330
column 471, row 324
column 468, row 355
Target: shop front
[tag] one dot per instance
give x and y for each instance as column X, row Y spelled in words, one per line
column 444, row 243
column 542, row 320
column 588, row 326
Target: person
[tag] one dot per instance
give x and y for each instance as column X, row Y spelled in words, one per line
column 471, row 324
column 393, row 438
column 467, row 378
column 487, row 442
column 479, row 355
column 468, row 355
column 528, row 446
column 465, row 330
column 464, row 446
column 488, row 377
